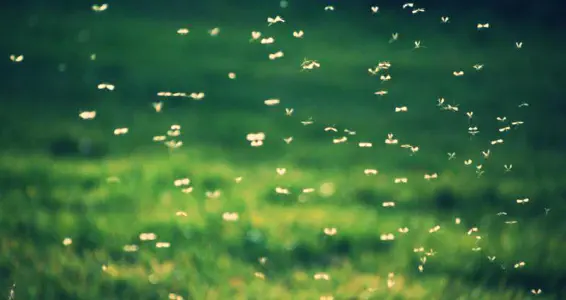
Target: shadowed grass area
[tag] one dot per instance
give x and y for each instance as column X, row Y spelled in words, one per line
column 62, row 177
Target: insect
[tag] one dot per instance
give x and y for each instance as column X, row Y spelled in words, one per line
column 449, row 107
column 374, row 9
column 272, row 102
column 401, row 109
column 276, row 55
column 12, row 294
column 230, row 216
column 16, row 58
column 445, row 20
column 458, row 73
column 394, row 37
column 410, row 5
column 183, row 31
column 267, row 41
column 87, row 115
column 255, row 35
column 417, row 10
column 308, row 122
column 519, row 45
column 478, row 67
column 482, row 26
column 430, row 176
column 522, row 201
column 197, row 96
column 330, row 231
column 277, row 19
column 105, row 86
column 370, row 172
column 289, row 111
column 309, row 64
column 120, row 131
column 479, row 170
column 451, row 155
column 390, row 139
column 329, row 8
column 400, row 180
column 99, row 8
column 418, row 45
column 473, row 131
column 486, row 154
column 157, row 106
column 298, row 34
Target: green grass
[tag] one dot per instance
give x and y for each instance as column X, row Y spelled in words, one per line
column 49, row 190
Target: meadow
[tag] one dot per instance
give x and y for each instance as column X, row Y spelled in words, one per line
column 76, row 198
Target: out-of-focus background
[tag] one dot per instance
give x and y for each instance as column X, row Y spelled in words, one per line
column 468, row 204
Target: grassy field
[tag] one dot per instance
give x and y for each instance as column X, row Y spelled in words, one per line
column 66, row 178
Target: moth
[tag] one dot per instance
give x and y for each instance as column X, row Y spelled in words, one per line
column 120, row 131
column 183, row 31
column 277, row 19
column 105, row 86
column 417, row 10
column 267, row 41
column 100, row 8
column 394, row 37
column 255, row 35
column 197, row 96
column 276, row 55
column 298, row 34
column 271, row 102
column 214, row 31
column 87, row 115
column 418, row 45
column 370, row 172
column 478, row 67
column 230, row 216
column 16, row 58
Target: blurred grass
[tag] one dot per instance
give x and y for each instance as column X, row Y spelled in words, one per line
column 50, row 190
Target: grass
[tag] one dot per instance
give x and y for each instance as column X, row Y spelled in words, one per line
column 51, row 190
